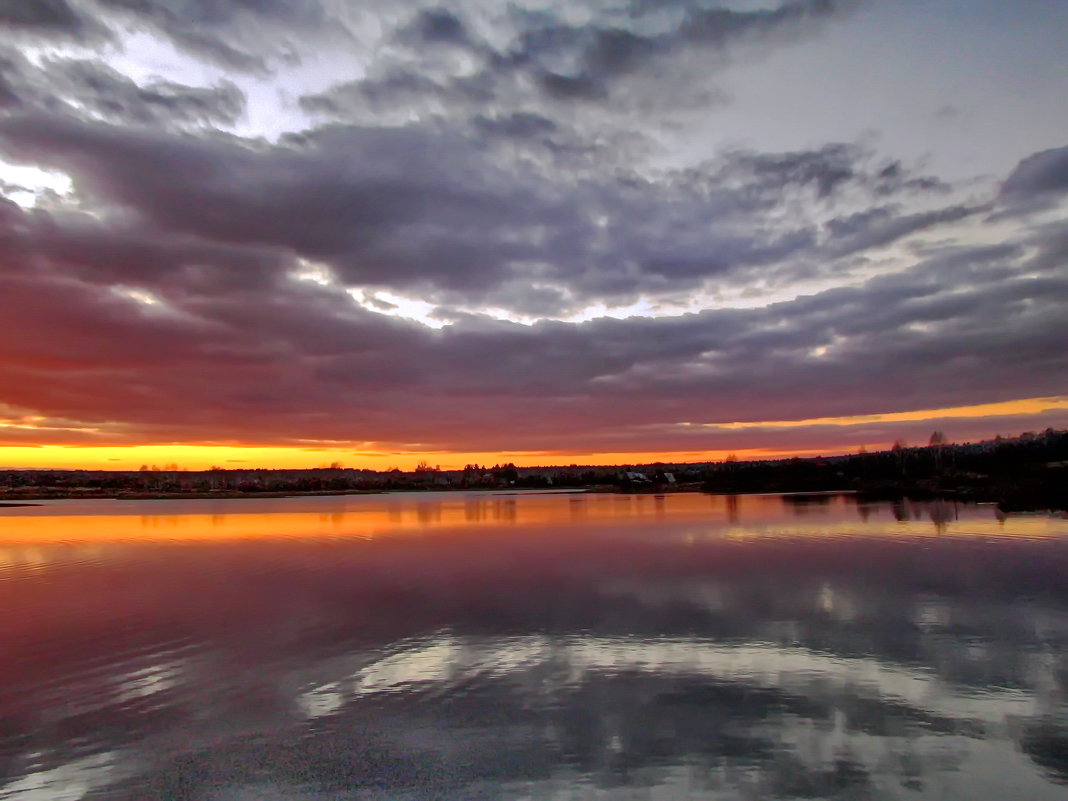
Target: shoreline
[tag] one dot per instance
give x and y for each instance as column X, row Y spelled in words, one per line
column 869, row 495
column 168, row 496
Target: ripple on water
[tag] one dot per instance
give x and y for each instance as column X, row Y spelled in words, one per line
column 472, row 646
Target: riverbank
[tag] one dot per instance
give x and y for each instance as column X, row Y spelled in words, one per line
column 16, row 499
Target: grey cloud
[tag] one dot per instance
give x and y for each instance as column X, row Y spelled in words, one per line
column 136, row 256
column 602, row 54
column 1041, row 173
column 261, row 358
column 397, row 92
column 717, row 25
column 9, row 98
column 424, row 208
column 46, row 16
column 435, row 26
column 1039, row 183
column 520, row 125
column 883, row 225
column 69, row 84
column 17, row 87
column 531, row 60
column 231, row 32
column 827, row 170
column 1051, row 249
column 567, row 87
column 214, row 226
column 118, row 98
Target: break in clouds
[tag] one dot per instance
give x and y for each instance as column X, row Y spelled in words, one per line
column 484, row 226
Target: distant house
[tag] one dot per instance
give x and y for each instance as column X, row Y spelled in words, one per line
column 637, row 478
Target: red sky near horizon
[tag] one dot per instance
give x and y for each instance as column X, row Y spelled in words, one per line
column 286, row 235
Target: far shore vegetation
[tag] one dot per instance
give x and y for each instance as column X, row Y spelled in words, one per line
column 1028, row 472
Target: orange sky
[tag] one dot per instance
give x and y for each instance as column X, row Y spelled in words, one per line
column 199, row 457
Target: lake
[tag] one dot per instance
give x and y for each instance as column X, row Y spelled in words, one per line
column 531, row 646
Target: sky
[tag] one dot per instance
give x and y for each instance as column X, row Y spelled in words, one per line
column 267, row 233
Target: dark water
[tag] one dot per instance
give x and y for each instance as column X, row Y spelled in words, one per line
column 539, row 646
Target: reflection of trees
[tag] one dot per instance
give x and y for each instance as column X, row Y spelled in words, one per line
column 806, row 504
column 942, row 513
column 427, row 512
column 732, row 509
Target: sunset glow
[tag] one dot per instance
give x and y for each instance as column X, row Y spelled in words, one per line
column 533, row 399
column 293, row 234
column 202, row 457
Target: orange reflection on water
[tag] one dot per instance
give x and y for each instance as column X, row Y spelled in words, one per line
column 365, row 517
column 353, row 516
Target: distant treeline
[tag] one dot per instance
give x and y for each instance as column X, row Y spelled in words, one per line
column 1025, row 472
column 1019, row 473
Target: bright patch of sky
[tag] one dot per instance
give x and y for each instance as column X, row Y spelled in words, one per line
column 27, row 185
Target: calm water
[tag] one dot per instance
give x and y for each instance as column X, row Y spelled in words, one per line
column 469, row 646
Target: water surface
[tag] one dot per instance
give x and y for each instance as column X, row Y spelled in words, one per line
column 564, row 646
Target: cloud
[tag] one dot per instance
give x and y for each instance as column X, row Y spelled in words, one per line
column 244, row 35
column 435, row 26
column 235, row 350
column 458, row 62
column 1045, row 172
column 481, row 163
column 424, row 209
column 93, row 88
column 119, row 99
column 1039, row 183
column 42, row 16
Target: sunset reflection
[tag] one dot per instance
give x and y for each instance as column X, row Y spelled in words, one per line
column 425, row 513
column 234, row 520
column 201, row 650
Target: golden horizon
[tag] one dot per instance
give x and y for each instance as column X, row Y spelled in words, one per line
column 199, row 456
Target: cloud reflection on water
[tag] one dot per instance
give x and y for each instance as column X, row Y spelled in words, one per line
column 516, row 647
